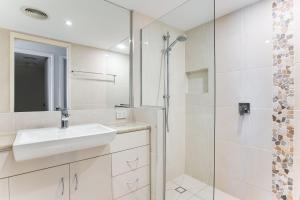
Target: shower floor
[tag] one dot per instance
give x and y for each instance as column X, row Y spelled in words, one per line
column 186, row 187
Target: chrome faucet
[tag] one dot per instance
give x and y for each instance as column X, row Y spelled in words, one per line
column 64, row 117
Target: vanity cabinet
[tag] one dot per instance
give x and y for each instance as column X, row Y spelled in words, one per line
column 122, row 172
column 48, row 184
column 131, row 167
column 91, row 179
column 4, row 192
column 129, row 160
column 142, row 194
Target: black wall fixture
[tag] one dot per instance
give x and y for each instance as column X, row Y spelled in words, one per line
column 244, row 108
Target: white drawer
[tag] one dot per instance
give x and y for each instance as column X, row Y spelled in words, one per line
column 129, row 160
column 129, row 140
column 142, row 194
column 130, row 182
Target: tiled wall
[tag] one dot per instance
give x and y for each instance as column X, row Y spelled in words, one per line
column 200, row 103
column 91, row 94
column 154, row 117
column 244, row 74
column 11, row 122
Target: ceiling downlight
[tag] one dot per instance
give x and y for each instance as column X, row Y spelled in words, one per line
column 35, row 13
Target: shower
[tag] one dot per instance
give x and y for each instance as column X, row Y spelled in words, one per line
column 166, row 96
column 181, row 38
column 166, row 55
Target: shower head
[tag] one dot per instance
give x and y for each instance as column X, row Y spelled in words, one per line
column 180, row 38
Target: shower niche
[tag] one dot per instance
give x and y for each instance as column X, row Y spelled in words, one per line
column 197, row 81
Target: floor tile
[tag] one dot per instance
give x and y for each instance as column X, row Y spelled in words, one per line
column 193, row 189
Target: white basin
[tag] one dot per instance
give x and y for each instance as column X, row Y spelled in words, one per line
column 38, row 143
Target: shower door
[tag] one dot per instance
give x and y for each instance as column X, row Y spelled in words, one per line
column 178, row 76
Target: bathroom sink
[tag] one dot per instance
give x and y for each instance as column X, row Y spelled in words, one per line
column 38, row 143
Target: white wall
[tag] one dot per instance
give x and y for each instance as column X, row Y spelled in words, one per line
column 244, row 74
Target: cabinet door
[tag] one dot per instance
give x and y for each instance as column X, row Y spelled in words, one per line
column 49, row 184
column 4, row 189
column 91, row 179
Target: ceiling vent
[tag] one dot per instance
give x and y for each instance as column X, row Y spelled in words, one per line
column 35, row 13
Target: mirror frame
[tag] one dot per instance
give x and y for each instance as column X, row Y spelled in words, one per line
column 16, row 35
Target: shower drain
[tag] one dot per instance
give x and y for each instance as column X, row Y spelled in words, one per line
column 180, row 190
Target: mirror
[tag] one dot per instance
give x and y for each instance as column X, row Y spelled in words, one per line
column 63, row 54
column 40, row 76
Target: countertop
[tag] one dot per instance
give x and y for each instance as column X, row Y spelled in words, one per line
column 7, row 139
column 129, row 127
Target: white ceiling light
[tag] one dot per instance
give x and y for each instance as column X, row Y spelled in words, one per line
column 68, row 23
column 121, row 46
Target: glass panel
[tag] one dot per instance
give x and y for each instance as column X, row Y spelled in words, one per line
column 178, row 74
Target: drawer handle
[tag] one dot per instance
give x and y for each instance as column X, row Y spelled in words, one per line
column 130, row 162
column 133, row 185
column 62, row 181
column 76, row 182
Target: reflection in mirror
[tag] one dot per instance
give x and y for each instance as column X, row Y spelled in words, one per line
column 40, row 76
column 74, row 57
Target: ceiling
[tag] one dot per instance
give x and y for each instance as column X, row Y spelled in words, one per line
column 101, row 24
column 97, row 23
column 184, row 14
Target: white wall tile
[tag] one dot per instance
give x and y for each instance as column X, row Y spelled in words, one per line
column 259, row 130
column 258, row 168
column 229, row 42
column 258, row 33
column 230, row 162
column 200, row 48
column 230, row 125
column 257, row 87
column 244, row 74
column 252, row 192
column 96, row 116
column 91, row 94
column 29, row 120
column 232, row 185
column 228, row 88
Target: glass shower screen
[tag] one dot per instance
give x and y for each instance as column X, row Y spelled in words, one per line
column 177, row 74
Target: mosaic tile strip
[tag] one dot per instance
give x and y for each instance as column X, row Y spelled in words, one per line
column 283, row 99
